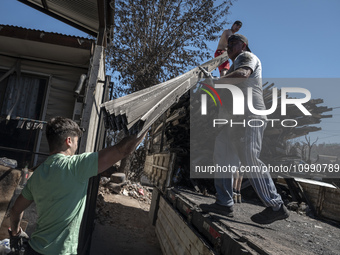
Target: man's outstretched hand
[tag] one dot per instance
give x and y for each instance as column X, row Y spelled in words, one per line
column 19, row 241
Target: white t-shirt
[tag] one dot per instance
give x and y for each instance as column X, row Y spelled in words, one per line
column 248, row 59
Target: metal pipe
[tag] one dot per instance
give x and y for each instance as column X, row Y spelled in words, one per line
column 80, row 85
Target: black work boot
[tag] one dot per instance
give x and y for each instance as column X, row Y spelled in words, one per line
column 268, row 216
column 219, row 209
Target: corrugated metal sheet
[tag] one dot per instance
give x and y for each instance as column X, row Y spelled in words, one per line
column 46, row 37
column 51, row 47
column 84, row 13
column 136, row 112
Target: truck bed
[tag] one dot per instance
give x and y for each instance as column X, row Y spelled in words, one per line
column 299, row 234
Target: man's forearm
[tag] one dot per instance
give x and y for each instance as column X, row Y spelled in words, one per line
column 109, row 156
column 237, row 76
column 129, row 144
column 15, row 221
column 17, row 212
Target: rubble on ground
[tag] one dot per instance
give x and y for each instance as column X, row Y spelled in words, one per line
column 126, row 188
column 134, row 190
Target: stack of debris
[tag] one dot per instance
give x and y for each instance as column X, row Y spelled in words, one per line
column 117, row 184
column 105, row 208
column 275, row 138
column 171, row 134
column 137, row 191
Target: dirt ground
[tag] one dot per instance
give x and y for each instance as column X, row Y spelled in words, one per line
column 123, row 227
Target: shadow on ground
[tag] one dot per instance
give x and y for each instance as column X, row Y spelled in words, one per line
column 123, row 227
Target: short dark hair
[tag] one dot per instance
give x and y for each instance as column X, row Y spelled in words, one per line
column 237, row 22
column 58, row 129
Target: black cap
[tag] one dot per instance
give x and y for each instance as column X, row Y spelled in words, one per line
column 239, row 37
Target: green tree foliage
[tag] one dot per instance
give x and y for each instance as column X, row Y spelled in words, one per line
column 156, row 40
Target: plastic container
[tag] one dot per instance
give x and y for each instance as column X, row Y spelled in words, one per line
column 4, row 247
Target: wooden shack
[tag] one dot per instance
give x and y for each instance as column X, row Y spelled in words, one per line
column 45, row 74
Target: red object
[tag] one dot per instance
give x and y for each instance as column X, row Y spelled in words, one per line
column 225, row 65
column 141, row 191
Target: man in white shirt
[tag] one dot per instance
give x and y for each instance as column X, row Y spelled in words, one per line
column 234, row 144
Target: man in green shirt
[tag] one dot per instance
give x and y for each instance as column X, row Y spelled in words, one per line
column 59, row 186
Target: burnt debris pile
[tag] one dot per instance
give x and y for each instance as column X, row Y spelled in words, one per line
column 293, row 125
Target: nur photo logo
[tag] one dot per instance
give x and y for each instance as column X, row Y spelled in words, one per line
column 204, row 98
column 240, row 101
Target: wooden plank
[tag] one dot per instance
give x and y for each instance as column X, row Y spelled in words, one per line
column 309, row 187
column 170, row 173
column 168, row 236
column 325, row 199
column 166, row 247
column 331, row 215
column 156, row 167
column 148, row 165
column 312, row 191
column 331, row 203
column 172, row 235
column 333, row 195
column 154, row 206
column 321, row 198
column 93, row 98
column 192, row 241
column 331, row 206
column 311, row 194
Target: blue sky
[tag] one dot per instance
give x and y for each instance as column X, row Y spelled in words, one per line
column 297, row 39
column 292, row 38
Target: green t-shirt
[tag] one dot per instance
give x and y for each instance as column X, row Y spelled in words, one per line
column 59, row 188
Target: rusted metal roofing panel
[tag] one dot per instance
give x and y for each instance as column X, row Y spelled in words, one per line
column 136, row 112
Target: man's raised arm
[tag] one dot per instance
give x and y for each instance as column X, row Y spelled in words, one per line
column 110, row 155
